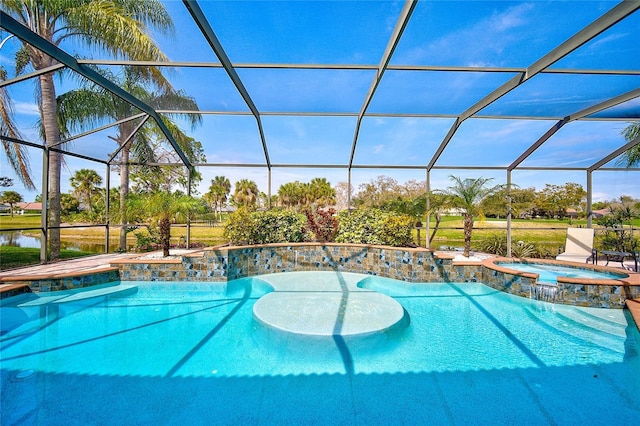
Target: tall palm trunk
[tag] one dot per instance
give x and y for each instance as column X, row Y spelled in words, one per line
column 435, row 228
column 468, row 229
column 52, row 138
column 164, row 226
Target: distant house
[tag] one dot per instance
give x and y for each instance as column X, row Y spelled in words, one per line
column 28, row 207
column 597, row 214
column 453, row 212
column 572, row 213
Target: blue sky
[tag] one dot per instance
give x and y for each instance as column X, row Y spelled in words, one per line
column 440, row 33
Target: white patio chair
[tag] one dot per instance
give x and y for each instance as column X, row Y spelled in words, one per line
column 579, row 245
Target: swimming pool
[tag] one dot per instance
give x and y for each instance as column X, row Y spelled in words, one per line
column 192, row 353
column 549, row 273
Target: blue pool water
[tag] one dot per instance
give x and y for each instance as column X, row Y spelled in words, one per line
column 191, row 353
column 550, row 273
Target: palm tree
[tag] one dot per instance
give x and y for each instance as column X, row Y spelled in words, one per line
column 321, row 193
column 11, row 198
column 290, row 194
column 85, row 107
column 246, row 193
column 160, row 209
column 115, row 26
column 218, row 192
column 16, row 154
column 85, row 182
column 467, row 194
column 631, row 158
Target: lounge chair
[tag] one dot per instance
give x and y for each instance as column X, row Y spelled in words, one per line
column 579, row 245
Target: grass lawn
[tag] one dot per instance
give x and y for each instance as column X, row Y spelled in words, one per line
column 13, row 257
column 547, row 233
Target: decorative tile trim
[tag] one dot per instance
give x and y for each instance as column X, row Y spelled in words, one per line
column 407, row 264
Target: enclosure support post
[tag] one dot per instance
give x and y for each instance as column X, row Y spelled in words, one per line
column 349, row 189
column 269, row 188
column 107, row 207
column 427, row 227
column 589, row 198
column 189, row 171
column 508, row 213
column 44, row 214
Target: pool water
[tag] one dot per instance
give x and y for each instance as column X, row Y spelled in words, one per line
column 191, row 353
column 549, row 273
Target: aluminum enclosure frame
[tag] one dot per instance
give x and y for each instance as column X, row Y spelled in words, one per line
column 541, row 66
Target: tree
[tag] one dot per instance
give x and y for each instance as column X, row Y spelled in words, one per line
column 468, row 194
column 160, row 209
column 85, row 183
column 11, row 198
column 631, row 158
column 218, row 193
column 343, row 189
column 16, row 153
column 91, row 22
column 554, row 200
column 246, row 193
column 320, row 193
column 5, row 182
column 291, row 194
column 85, row 107
column 376, row 192
column 69, row 204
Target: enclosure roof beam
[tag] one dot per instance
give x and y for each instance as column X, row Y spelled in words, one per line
column 614, row 154
column 28, row 36
column 30, row 75
column 401, row 24
column 201, row 20
column 576, row 116
column 355, row 67
column 128, row 139
column 604, row 22
column 97, row 129
column 384, row 115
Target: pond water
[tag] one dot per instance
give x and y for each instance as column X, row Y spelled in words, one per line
column 18, row 239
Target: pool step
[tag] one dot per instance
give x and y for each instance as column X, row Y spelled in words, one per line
column 111, row 291
column 578, row 331
column 117, row 291
column 41, row 301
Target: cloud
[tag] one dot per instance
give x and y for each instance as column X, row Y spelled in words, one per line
column 486, row 38
column 26, row 108
column 378, row 148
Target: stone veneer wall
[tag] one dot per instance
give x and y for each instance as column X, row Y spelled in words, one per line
column 406, row 264
column 222, row 264
column 71, row 282
column 578, row 294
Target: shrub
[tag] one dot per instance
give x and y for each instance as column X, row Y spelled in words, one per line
column 323, row 224
column 272, row 226
column 279, row 226
column 617, row 236
column 497, row 244
column 372, row 226
column 240, row 228
column 523, row 249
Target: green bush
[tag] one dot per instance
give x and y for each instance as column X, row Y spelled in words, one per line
column 618, row 234
column 372, row 226
column 272, row 226
column 497, row 244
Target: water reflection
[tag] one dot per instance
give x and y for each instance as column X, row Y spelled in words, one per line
column 18, row 239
